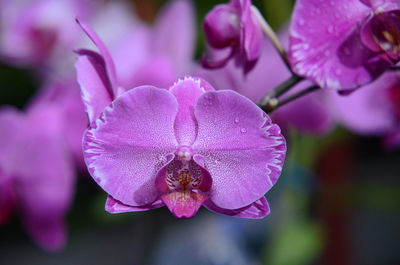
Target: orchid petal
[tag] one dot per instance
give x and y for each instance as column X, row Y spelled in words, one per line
column 256, row 210
column 243, row 151
column 115, row 206
column 183, row 204
column 96, row 89
column 329, row 50
column 49, row 233
column 368, row 111
column 179, row 43
column 109, row 63
column 131, row 142
column 186, row 91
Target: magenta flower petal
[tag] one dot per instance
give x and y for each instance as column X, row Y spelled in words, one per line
column 372, row 109
column 178, row 44
column 93, row 80
column 326, row 45
column 233, row 26
column 109, row 63
column 114, row 206
column 131, row 142
column 186, row 92
column 183, row 204
column 49, row 233
column 251, row 35
column 243, row 151
column 44, row 184
column 222, row 26
column 256, row 210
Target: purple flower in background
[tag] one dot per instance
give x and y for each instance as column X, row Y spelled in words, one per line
column 184, row 147
column 36, row 32
column 373, row 110
column 233, row 26
column 36, row 171
column 308, row 114
column 156, row 49
column 64, row 96
column 344, row 44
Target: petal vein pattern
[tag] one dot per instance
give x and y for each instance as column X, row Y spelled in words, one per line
column 130, row 142
column 241, row 148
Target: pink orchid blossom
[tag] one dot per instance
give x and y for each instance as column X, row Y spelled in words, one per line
column 35, row 33
column 184, row 147
column 233, row 26
column 149, row 147
column 344, row 44
column 373, row 110
column 36, row 171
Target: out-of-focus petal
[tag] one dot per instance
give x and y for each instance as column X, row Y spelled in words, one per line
column 178, row 44
column 368, row 110
column 49, row 233
column 129, row 144
column 256, row 210
column 242, row 149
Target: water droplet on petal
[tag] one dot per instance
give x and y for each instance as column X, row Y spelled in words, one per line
column 237, row 120
column 243, row 130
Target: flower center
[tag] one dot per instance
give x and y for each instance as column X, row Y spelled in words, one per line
column 184, row 184
column 385, row 29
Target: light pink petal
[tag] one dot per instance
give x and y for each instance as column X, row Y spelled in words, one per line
column 96, row 91
column 186, row 91
column 242, row 149
column 178, row 44
column 114, row 206
column 325, row 45
column 131, row 142
column 109, row 63
column 256, row 210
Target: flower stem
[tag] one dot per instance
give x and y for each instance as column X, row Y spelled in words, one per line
column 291, row 98
column 271, row 35
column 281, row 89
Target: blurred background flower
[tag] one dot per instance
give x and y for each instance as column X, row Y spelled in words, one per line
column 336, row 202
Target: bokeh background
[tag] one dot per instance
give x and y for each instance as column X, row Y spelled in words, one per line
column 336, row 202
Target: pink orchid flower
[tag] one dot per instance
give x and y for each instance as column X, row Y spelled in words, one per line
column 183, row 147
column 344, row 44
